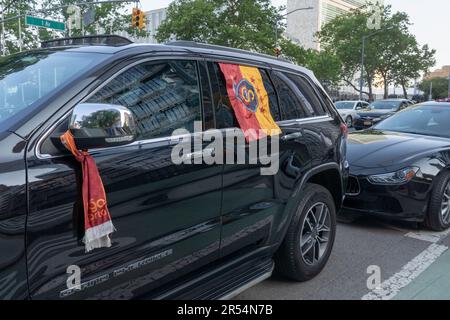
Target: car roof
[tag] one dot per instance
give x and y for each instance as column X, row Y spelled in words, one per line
column 187, row 47
column 433, row 104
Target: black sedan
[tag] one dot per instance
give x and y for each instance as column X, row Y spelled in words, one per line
column 378, row 111
column 400, row 168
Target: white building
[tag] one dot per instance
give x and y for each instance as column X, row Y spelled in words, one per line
column 303, row 25
column 154, row 20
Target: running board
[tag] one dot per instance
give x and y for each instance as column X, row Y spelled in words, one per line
column 224, row 283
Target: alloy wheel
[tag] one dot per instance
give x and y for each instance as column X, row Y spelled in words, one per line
column 315, row 233
column 445, row 207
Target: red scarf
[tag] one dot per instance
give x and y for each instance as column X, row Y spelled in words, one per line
column 97, row 220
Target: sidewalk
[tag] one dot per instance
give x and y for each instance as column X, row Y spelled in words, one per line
column 432, row 284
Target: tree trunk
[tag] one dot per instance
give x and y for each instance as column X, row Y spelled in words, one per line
column 386, row 87
column 405, row 92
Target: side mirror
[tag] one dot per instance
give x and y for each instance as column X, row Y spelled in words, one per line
column 95, row 125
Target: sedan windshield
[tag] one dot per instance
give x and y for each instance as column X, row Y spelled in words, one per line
column 385, row 105
column 343, row 105
column 26, row 78
column 430, row 120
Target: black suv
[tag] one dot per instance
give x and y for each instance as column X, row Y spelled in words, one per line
column 189, row 231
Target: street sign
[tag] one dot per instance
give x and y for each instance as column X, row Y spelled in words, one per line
column 44, row 23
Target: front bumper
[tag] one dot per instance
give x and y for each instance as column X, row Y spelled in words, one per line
column 405, row 202
column 364, row 123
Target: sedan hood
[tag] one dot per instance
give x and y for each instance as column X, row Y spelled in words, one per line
column 373, row 149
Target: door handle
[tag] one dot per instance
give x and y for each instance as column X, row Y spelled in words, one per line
column 291, row 136
column 209, row 152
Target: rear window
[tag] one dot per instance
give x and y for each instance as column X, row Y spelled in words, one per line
column 28, row 77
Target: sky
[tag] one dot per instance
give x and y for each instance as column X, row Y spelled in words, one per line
column 430, row 22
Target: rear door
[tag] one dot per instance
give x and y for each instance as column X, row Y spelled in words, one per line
column 167, row 216
column 253, row 203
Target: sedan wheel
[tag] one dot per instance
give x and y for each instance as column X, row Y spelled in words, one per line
column 438, row 217
column 445, row 208
column 349, row 122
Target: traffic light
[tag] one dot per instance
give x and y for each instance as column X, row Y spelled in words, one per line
column 277, row 52
column 142, row 20
column 138, row 19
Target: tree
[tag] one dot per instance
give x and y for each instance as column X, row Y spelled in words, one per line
column 384, row 52
column 440, row 87
column 411, row 63
column 244, row 24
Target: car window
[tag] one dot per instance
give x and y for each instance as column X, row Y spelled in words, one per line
column 223, row 110
column 27, row 78
column 163, row 96
column 273, row 101
column 290, row 105
column 308, row 97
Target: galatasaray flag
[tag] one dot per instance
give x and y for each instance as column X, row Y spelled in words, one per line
column 97, row 220
column 250, row 101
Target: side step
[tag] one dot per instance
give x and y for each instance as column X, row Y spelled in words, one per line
column 224, row 283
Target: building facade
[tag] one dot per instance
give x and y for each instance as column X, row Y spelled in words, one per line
column 303, row 25
column 154, row 20
column 444, row 72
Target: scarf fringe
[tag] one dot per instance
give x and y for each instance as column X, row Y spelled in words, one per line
column 98, row 237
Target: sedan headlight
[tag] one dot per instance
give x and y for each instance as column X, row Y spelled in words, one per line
column 398, row 177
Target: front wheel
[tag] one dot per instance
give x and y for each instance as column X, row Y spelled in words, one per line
column 349, row 122
column 310, row 237
column 438, row 217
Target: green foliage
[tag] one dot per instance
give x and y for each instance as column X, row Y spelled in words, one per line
column 440, row 87
column 109, row 18
column 386, row 50
column 244, row 24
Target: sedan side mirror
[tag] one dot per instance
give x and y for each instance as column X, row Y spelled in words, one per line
column 95, row 125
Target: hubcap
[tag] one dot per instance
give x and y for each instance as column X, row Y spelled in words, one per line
column 445, row 208
column 349, row 122
column 315, row 233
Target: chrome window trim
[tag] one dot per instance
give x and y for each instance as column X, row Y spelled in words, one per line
column 47, row 132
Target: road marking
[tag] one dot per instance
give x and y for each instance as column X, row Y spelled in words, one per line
column 392, row 286
column 430, row 236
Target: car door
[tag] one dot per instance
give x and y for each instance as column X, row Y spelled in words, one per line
column 253, row 207
column 167, row 216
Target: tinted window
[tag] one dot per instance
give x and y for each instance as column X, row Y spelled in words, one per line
column 224, row 111
column 28, row 77
column 385, row 105
column 273, row 102
column 343, row 105
column 289, row 102
column 163, row 96
column 309, row 99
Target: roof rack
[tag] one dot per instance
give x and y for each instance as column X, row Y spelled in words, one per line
column 105, row 40
column 193, row 44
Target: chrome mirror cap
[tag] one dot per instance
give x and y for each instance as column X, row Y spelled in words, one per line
column 95, row 125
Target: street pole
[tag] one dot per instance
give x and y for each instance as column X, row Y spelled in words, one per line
column 431, row 91
column 449, row 86
column 361, row 80
column 3, row 42
column 20, row 30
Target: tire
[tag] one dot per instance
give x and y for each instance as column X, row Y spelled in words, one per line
column 289, row 260
column 436, row 218
column 349, row 121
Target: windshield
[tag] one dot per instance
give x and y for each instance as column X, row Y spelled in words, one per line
column 385, row 105
column 28, row 77
column 342, row 105
column 426, row 120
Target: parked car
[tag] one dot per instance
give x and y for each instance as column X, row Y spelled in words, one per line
column 400, row 168
column 349, row 110
column 189, row 231
column 378, row 111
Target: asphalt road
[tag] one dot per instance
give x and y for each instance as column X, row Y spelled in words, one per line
column 402, row 251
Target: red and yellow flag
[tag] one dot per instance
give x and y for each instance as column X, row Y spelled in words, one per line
column 250, row 101
column 97, row 220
